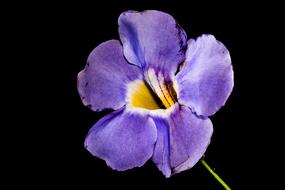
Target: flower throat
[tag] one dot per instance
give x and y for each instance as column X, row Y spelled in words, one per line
column 154, row 93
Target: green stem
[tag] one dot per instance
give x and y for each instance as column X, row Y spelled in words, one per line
column 215, row 175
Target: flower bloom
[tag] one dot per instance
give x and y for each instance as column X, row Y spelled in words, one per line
column 162, row 89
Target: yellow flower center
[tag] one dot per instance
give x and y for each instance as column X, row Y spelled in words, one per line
column 154, row 94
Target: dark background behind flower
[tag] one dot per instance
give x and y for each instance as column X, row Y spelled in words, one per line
column 63, row 35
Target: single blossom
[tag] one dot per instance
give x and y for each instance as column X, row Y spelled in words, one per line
column 162, row 89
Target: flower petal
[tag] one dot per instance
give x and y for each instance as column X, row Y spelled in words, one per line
column 152, row 39
column 185, row 142
column 206, row 80
column 189, row 138
column 124, row 140
column 161, row 151
column 102, row 84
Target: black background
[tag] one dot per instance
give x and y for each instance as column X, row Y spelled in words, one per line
column 63, row 35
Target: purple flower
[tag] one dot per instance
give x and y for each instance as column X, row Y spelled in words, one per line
column 162, row 89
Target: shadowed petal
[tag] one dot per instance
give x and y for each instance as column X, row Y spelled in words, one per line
column 185, row 142
column 161, row 152
column 152, row 39
column 102, row 83
column 124, row 140
column 206, row 80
